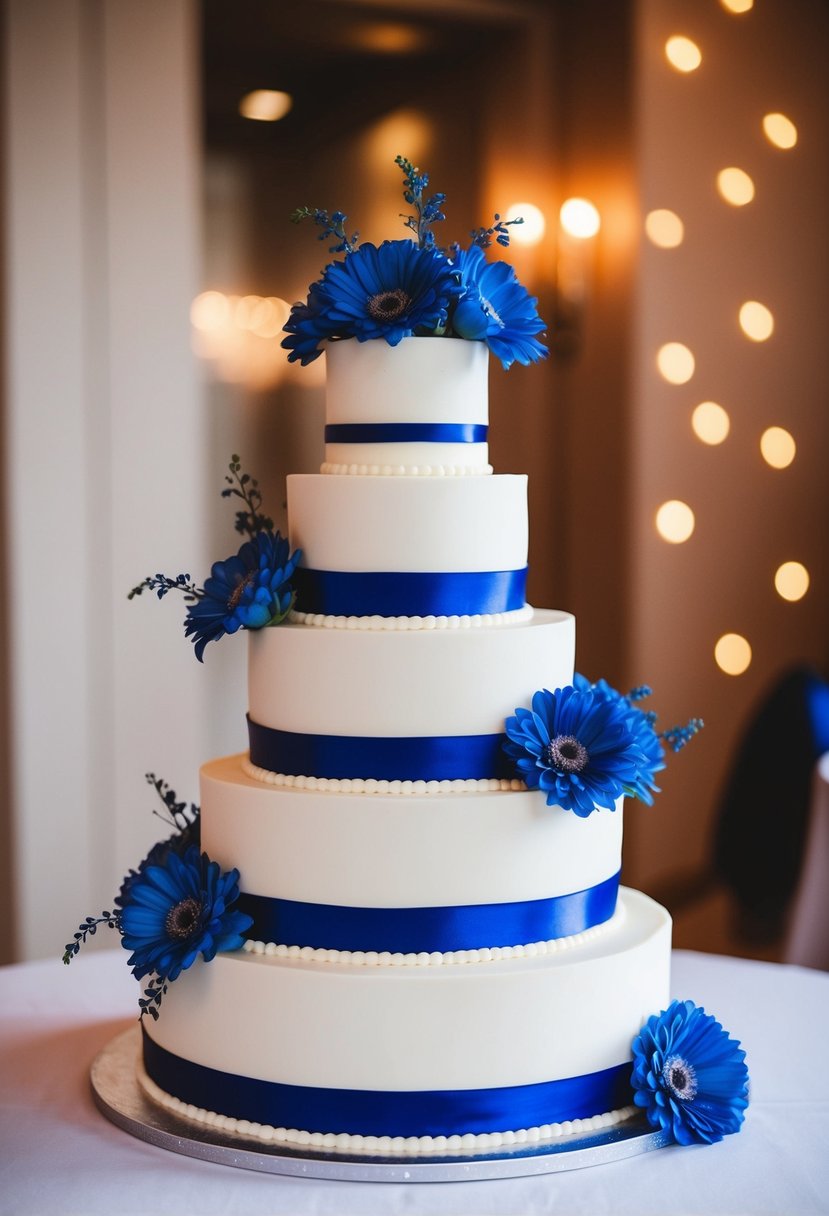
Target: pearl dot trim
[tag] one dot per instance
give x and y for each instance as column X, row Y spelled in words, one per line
column 381, row 1146
column 371, row 623
column 359, row 785
column 406, row 470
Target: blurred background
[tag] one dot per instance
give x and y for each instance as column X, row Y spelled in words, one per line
column 676, row 440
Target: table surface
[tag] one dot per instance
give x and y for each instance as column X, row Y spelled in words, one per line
column 61, row 1156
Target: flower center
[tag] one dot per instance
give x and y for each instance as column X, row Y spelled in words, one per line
column 388, row 305
column 566, row 754
column 183, row 918
column 239, row 590
column 680, row 1078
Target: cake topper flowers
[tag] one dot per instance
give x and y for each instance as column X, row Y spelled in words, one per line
column 176, row 905
column 414, row 287
column 689, row 1075
column 250, row 589
column 586, row 745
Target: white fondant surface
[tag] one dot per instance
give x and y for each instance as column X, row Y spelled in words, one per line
column 511, row 1022
column 386, row 852
column 419, row 380
column 409, row 523
column 465, row 458
column 403, row 684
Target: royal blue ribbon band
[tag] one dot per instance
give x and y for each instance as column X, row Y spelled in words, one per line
column 409, row 593
column 426, row 758
column 405, row 432
column 412, row 930
column 368, row 1112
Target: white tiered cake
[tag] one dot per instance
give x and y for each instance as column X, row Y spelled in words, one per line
column 437, row 958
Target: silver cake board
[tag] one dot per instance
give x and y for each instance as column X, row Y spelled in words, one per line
column 121, row 1098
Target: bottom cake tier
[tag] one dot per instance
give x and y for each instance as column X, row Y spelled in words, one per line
column 413, row 1059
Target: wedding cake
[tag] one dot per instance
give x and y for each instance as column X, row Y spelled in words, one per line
column 405, row 894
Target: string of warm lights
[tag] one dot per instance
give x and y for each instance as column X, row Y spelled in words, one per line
column 674, row 520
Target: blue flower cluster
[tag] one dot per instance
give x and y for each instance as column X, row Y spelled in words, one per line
column 689, row 1075
column 404, row 288
column 247, row 591
column 586, row 744
column 250, row 589
column 176, row 911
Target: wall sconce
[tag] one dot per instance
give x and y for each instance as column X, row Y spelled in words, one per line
column 579, row 224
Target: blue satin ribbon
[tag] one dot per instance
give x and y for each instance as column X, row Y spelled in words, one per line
column 426, row 758
column 409, row 593
column 405, row 432
column 412, row 930
column 369, row 1112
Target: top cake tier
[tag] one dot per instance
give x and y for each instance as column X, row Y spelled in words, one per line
column 418, row 408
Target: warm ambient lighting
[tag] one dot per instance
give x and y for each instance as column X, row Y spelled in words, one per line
column 675, row 521
column 389, row 38
column 579, row 218
column 664, row 228
column 683, row 54
column 737, row 6
column 780, row 130
column 240, row 335
column 532, row 229
column 265, row 105
column 675, row 363
column 710, row 422
column 756, row 321
column 732, row 654
column 777, row 447
column 735, row 186
column 791, row 581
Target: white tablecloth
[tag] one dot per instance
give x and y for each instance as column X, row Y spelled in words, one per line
column 60, row 1156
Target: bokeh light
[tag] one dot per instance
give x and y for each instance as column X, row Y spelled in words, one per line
column 710, row 422
column 756, row 321
column 735, row 186
column 675, row 521
column 533, row 227
column 780, row 130
column 579, row 218
column 682, row 53
column 732, row 654
column 737, row 6
column 265, row 105
column 777, row 447
column 664, row 228
column 791, row 581
column 675, row 362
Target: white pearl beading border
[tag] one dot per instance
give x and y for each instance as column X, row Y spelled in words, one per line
column 380, row 1145
column 405, row 470
column 480, row 620
column 369, row 785
column 448, row 958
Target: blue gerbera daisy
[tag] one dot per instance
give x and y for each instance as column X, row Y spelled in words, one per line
column 576, row 746
column 495, row 307
column 249, row 590
column 176, row 911
column 307, row 327
column 641, row 723
column 689, row 1075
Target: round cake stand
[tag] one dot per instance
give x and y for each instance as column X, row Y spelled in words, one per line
column 119, row 1096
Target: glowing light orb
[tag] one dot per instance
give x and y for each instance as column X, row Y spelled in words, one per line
column 780, row 130
column 791, row 581
column 664, row 228
column 735, row 186
column 737, row 6
column 732, row 654
column 533, row 227
column 265, row 105
column 675, row 521
column 675, row 362
column 777, row 447
column 683, row 53
column 710, row 422
column 579, row 218
column 756, row 321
